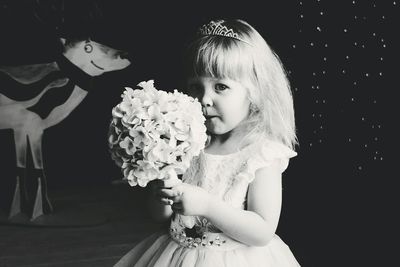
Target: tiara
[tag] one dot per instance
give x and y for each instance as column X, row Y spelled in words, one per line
column 216, row 28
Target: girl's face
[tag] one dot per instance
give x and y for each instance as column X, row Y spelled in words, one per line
column 224, row 101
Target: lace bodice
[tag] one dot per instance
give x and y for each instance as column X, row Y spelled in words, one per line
column 228, row 176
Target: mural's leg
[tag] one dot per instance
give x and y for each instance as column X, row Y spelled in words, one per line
column 20, row 199
column 42, row 202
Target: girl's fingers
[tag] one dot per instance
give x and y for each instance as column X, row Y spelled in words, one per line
column 176, row 199
column 169, row 193
column 169, row 183
column 166, row 201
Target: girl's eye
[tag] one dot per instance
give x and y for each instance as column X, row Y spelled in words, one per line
column 220, row 87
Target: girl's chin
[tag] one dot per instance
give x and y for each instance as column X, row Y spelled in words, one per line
column 215, row 130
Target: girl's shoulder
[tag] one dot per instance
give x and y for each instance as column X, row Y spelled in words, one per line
column 266, row 152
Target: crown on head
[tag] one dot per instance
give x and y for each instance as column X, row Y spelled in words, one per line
column 216, row 28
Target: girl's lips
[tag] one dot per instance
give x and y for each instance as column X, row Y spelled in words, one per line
column 210, row 117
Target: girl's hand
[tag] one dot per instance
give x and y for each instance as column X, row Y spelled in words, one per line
column 190, row 200
column 162, row 189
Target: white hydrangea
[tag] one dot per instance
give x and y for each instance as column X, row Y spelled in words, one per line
column 154, row 134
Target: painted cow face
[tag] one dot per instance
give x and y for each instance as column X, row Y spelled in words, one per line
column 95, row 58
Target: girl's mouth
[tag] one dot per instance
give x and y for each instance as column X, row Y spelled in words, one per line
column 208, row 118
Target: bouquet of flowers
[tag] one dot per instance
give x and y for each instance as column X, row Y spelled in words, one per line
column 154, row 134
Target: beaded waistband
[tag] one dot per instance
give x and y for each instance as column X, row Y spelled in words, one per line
column 208, row 240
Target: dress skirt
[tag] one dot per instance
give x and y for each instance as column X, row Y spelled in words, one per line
column 162, row 250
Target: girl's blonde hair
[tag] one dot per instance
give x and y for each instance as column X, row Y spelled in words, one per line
column 249, row 60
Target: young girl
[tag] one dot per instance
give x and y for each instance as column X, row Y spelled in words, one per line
column 232, row 191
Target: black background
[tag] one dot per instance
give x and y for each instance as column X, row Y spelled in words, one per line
column 337, row 53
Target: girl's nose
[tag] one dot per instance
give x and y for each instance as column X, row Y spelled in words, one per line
column 206, row 100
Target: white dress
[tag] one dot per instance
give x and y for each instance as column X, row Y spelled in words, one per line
column 228, row 177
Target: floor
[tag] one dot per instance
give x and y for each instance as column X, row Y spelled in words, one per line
column 120, row 224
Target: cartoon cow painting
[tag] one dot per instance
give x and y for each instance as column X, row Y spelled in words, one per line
column 36, row 97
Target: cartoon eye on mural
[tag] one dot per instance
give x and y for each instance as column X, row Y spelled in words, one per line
column 35, row 97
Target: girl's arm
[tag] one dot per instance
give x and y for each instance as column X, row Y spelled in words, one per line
column 255, row 226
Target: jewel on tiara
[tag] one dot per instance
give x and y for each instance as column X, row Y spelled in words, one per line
column 216, row 28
